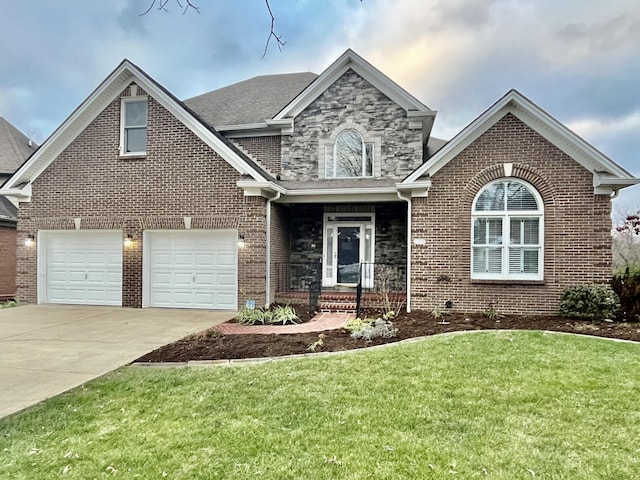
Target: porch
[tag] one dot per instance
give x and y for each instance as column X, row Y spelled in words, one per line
column 341, row 257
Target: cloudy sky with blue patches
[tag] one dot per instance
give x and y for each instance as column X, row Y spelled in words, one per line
column 577, row 59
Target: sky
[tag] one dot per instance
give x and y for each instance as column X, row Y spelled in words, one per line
column 577, row 59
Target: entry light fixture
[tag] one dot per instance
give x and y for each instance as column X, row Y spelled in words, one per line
column 241, row 243
column 128, row 241
column 30, row 241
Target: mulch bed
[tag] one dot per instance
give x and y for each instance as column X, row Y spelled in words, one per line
column 210, row 345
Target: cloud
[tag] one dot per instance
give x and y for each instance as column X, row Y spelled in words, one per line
column 599, row 127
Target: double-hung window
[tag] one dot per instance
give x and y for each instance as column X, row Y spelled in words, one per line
column 134, row 126
column 507, row 232
column 352, row 156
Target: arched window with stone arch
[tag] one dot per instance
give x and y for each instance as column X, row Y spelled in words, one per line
column 507, row 232
column 351, row 156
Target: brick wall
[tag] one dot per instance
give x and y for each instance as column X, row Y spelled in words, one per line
column 179, row 177
column 577, row 241
column 280, row 243
column 264, row 150
column 351, row 99
column 8, row 239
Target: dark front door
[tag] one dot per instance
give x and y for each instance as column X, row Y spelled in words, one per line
column 348, row 254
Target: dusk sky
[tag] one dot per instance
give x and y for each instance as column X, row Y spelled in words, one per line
column 577, row 59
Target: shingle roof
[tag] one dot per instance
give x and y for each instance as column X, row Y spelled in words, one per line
column 8, row 211
column 14, row 147
column 250, row 101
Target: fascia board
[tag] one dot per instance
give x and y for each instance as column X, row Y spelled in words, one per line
column 338, row 198
column 351, row 60
column 252, row 184
column 72, row 126
column 106, row 92
column 536, row 118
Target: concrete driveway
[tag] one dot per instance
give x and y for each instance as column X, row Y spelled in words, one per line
column 48, row 349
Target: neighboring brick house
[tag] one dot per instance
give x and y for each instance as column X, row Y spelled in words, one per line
column 285, row 186
column 15, row 148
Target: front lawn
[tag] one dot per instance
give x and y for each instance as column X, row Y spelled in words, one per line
column 499, row 405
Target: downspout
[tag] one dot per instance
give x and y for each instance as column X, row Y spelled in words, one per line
column 268, row 255
column 408, row 200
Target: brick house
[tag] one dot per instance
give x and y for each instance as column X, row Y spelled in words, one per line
column 282, row 187
column 15, row 148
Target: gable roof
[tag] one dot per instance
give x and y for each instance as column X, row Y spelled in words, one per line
column 15, row 147
column 351, row 60
column 608, row 175
column 250, row 101
column 125, row 74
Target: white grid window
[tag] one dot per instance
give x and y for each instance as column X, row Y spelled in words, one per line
column 507, row 232
column 134, row 126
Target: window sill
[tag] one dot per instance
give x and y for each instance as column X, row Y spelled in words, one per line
column 487, row 281
column 133, row 156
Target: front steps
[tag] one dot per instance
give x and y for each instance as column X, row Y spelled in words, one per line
column 333, row 301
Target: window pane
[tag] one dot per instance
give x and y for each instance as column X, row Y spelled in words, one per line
column 329, row 259
column 368, row 171
column 523, row 260
column 328, row 162
column 531, row 231
column 492, row 198
column 516, row 231
column 487, row 260
column 349, row 154
column 487, row 231
column 519, row 197
column 135, row 140
column 135, row 114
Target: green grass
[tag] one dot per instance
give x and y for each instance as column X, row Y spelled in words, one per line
column 498, row 405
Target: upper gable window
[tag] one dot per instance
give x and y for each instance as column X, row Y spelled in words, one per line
column 507, row 232
column 352, row 156
column 134, row 126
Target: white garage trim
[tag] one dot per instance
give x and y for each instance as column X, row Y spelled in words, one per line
column 81, row 267
column 190, row 269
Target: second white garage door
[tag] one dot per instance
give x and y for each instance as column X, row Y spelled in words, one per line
column 190, row 269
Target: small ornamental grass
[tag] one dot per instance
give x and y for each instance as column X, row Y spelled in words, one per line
column 270, row 315
column 370, row 328
column 590, row 302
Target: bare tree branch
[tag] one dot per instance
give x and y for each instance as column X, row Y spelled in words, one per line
column 279, row 42
column 162, row 4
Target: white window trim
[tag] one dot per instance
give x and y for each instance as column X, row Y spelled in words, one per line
column 125, row 100
column 507, row 216
column 327, row 145
column 364, row 155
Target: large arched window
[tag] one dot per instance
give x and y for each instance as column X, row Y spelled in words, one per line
column 507, row 232
column 352, row 157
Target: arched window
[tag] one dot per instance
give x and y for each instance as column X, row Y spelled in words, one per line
column 352, row 157
column 507, row 232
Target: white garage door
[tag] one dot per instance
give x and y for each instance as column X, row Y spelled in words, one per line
column 191, row 269
column 81, row 267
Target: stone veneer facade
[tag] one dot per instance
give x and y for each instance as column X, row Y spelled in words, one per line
column 180, row 176
column 351, row 102
column 577, row 239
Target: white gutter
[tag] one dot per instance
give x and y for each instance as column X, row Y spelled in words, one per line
column 408, row 200
column 268, row 255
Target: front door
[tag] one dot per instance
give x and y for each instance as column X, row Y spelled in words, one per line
column 348, row 243
column 348, row 254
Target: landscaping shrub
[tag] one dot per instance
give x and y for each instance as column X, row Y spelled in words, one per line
column 273, row 315
column 626, row 284
column 377, row 328
column 593, row 302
